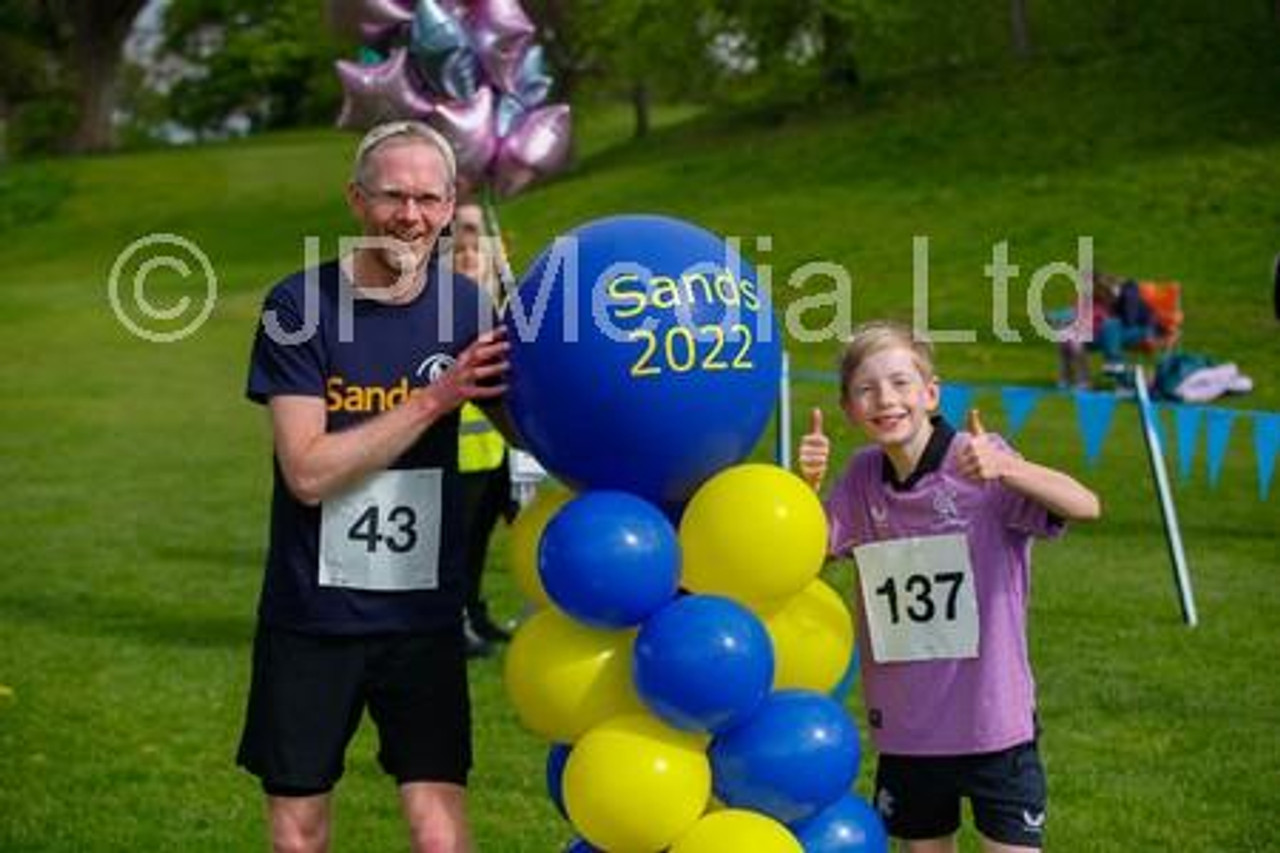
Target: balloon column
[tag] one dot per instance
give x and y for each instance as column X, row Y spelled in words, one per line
column 683, row 658
column 469, row 69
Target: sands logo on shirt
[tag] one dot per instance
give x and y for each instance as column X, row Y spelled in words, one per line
column 343, row 396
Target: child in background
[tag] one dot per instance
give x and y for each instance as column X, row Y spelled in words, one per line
column 482, row 452
column 940, row 524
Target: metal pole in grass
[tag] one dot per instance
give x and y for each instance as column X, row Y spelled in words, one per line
column 1168, row 512
column 782, row 445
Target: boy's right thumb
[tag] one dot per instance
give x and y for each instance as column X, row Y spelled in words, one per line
column 815, row 422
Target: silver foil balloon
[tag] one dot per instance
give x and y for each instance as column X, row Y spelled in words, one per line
column 380, row 92
column 357, row 19
column 501, row 33
column 469, row 127
column 533, row 83
column 537, row 147
column 509, row 113
column 442, row 51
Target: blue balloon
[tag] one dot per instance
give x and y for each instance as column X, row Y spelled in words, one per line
column 844, row 687
column 643, row 357
column 703, row 663
column 533, row 83
column 795, row 756
column 849, row 825
column 609, row 559
column 442, row 52
column 578, row 845
column 557, row 757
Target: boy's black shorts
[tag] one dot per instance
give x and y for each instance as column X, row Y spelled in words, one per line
column 308, row 692
column 919, row 796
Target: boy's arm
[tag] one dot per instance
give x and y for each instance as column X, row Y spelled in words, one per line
column 1059, row 493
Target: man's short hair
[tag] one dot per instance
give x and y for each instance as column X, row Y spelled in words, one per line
column 405, row 130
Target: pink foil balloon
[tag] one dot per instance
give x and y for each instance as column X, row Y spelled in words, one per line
column 384, row 91
column 359, row 18
column 538, row 146
column 469, row 127
column 501, row 33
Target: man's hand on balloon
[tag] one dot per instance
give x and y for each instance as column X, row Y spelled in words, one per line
column 815, row 452
column 479, row 372
column 980, row 458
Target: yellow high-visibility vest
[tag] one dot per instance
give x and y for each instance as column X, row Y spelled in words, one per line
column 480, row 445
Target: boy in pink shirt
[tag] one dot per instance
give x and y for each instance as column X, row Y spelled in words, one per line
column 940, row 524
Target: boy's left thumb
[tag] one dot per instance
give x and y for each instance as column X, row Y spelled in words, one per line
column 974, row 423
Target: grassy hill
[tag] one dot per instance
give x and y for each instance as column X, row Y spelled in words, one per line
column 137, row 479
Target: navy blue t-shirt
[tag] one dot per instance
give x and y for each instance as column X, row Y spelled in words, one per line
column 361, row 366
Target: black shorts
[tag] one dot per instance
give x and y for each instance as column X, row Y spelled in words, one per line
column 309, row 690
column 919, row 796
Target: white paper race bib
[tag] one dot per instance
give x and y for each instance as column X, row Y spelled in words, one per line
column 383, row 534
column 919, row 598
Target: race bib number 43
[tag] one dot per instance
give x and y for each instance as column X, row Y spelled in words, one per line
column 919, row 598
column 384, row 534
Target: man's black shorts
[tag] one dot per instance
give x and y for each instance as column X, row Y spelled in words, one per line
column 308, row 692
column 919, row 796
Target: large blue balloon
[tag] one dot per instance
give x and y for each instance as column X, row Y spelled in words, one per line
column 795, row 756
column 644, row 357
column 703, row 663
column 849, row 825
column 609, row 559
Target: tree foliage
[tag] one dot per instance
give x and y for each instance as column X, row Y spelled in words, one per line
column 266, row 65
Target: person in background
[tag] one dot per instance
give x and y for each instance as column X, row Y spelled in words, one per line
column 483, row 460
column 1112, row 320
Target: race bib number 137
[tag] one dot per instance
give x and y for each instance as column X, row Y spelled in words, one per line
column 919, row 598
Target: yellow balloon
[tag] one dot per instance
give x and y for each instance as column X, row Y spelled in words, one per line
column 564, row 677
column 634, row 785
column 525, row 533
column 756, row 533
column 812, row 639
column 737, row 829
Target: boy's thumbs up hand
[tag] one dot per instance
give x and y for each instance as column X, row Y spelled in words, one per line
column 815, row 451
column 980, row 458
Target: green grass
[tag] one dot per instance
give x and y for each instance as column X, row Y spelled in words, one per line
column 137, row 479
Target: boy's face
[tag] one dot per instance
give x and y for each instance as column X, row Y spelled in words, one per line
column 890, row 399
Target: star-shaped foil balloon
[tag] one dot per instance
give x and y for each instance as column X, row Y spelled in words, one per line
column 469, row 126
column 443, row 53
column 380, row 92
column 538, row 146
column 370, row 21
column 501, row 33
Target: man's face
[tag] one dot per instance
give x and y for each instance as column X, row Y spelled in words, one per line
column 406, row 198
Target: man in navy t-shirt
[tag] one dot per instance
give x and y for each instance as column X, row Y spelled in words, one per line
column 363, row 363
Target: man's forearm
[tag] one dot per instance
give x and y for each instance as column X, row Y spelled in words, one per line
column 331, row 462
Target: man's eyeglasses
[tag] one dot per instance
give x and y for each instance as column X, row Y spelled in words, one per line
column 429, row 202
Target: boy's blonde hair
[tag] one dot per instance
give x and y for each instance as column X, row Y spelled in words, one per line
column 877, row 335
